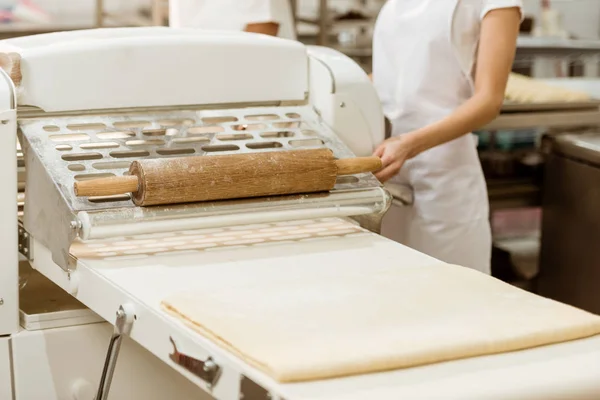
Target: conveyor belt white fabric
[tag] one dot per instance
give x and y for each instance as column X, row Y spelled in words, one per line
column 568, row 369
column 557, row 372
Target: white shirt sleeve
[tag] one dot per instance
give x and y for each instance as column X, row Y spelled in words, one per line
column 489, row 5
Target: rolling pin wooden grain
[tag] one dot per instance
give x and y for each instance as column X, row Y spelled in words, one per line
column 195, row 179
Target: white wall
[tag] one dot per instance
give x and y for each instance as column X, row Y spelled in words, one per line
column 84, row 10
column 309, row 8
column 580, row 17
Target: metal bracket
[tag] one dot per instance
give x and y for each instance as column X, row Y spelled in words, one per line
column 206, row 370
column 25, row 242
column 123, row 323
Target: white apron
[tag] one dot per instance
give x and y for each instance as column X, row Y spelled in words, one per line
column 420, row 81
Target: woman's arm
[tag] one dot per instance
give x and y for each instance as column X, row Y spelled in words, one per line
column 497, row 44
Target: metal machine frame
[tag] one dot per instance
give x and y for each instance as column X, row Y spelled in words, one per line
column 321, row 97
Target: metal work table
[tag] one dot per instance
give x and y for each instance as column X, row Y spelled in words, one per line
column 549, row 116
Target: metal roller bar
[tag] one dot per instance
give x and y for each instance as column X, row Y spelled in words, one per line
column 103, row 224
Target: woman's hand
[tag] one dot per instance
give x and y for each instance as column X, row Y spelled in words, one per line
column 394, row 152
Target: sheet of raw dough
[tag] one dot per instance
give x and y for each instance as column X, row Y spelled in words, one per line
column 352, row 319
column 522, row 89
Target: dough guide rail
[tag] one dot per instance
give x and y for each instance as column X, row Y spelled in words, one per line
column 62, row 150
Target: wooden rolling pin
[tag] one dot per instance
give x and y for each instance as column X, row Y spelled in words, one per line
column 11, row 63
column 195, row 179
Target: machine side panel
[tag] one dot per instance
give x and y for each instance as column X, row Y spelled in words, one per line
column 180, row 68
column 66, row 363
column 9, row 263
column 6, row 389
column 47, row 216
column 346, row 100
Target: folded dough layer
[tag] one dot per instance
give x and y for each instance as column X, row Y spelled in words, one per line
column 526, row 90
column 334, row 321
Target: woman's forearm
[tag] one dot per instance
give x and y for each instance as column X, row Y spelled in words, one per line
column 476, row 112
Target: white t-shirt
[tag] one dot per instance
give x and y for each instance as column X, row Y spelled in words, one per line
column 231, row 14
column 394, row 60
column 466, row 26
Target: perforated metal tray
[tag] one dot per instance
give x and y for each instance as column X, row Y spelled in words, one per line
column 60, row 150
column 88, row 147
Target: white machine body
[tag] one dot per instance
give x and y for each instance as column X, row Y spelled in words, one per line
column 119, row 75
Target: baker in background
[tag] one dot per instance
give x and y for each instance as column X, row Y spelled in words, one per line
column 271, row 17
column 440, row 69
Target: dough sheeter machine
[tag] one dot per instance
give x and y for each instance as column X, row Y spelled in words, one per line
column 85, row 104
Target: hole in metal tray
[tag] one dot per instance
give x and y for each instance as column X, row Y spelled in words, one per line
column 279, row 134
column 69, row 137
column 306, row 143
column 64, row 147
column 87, row 177
column 51, row 128
column 131, row 124
column 263, row 145
column 248, row 127
column 145, row 142
column 109, row 199
column 129, row 154
column 170, row 152
column 198, row 130
column 81, row 156
column 287, row 125
column 111, row 165
column 218, row 120
column 175, row 122
column 76, row 167
column 115, row 135
column 160, row 132
column 261, row 117
column 292, row 115
column 308, row 132
column 220, row 147
column 190, row 140
column 99, row 145
column 86, row 126
column 235, row 136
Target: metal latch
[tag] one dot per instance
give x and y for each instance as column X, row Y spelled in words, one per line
column 25, row 242
column 206, row 370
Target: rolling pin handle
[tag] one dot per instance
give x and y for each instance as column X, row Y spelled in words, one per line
column 107, row 186
column 11, row 64
column 358, row 165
